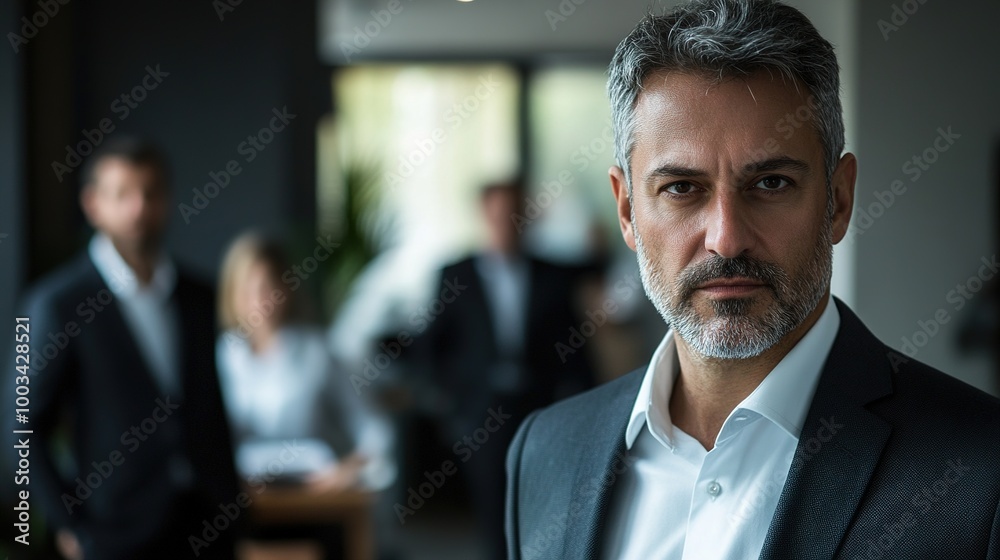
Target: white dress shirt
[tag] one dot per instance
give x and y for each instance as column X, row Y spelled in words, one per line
column 505, row 283
column 149, row 314
column 681, row 502
column 293, row 391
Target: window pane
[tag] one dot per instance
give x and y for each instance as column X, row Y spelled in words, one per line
column 436, row 134
column 572, row 150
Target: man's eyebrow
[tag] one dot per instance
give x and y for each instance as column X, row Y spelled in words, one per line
column 763, row 166
column 674, row 170
column 775, row 164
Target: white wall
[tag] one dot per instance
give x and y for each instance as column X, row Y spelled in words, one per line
column 837, row 22
column 938, row 70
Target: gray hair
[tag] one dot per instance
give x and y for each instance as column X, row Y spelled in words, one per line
column 727, row 38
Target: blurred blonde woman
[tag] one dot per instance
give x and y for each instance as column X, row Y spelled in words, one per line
column 281, row 385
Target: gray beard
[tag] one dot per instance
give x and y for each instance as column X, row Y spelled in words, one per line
column 733, row 332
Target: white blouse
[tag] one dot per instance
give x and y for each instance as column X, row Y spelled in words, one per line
column 294, row 395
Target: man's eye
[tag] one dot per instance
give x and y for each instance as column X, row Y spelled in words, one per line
column 679, row 188
column 772, row 183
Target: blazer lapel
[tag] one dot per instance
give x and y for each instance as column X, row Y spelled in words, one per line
column 190, row 320
column 602, row 457
column 116, row 333
column 477, row 298
column 838, row 448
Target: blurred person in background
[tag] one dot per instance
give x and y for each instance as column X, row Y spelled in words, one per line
column 493, row 350
column 127, row 391
column 281, row 385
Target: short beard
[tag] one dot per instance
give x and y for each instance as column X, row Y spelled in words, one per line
column 733, row 332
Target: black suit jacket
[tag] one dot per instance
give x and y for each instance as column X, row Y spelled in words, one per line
column 883, row 486
column 91, row 384
column 460, row 343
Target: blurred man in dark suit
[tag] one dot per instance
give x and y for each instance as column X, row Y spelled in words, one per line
column 495, row 347
column 124, row 381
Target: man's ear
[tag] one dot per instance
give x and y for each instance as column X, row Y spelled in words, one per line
column 842, row 187
column 619, row 187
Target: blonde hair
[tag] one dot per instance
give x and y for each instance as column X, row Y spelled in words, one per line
column 245, row 251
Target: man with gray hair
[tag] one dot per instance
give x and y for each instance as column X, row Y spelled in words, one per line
column 770, row 423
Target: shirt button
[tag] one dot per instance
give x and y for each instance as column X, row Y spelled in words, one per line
column 739, row 417
column 714, row 489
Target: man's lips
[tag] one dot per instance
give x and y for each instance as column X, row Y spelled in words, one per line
column 731, row 286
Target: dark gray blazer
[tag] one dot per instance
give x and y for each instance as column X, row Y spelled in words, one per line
column 912, row 470
column 94, row 390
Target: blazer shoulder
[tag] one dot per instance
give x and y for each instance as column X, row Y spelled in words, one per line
column 932, row 400
column 912, row 375
column 67, row 285
column 917, row 399
column 562, row 269
column 458, row 265
column 583, row 413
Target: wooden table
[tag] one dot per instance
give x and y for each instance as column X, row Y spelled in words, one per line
column 350, row 509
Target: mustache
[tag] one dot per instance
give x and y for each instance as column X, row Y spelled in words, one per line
column 716, row 267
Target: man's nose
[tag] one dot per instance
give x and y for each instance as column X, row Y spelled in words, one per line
column 728, row 230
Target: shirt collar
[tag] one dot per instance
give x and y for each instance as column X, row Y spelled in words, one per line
column 497, row 260
column 120, row 278
column 783, row 397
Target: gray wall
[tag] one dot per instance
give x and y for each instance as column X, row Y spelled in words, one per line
column 938, row 70
column 225, row 77
column 12, row 235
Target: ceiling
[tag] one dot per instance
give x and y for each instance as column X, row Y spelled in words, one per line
column 365, row 30
column 479, row 29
